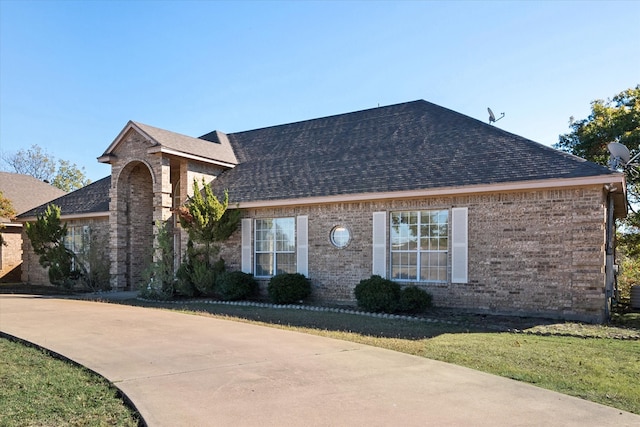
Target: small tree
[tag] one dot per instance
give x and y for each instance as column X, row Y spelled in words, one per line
column 47, row 235
column 206, row 219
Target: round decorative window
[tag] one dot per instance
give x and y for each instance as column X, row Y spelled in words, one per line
column 340, row 236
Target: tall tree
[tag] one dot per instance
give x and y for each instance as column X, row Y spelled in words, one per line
column 40, row 164
column 69, row 177
column 614, row 120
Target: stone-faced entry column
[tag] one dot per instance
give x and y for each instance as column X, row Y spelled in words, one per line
column 131, row 225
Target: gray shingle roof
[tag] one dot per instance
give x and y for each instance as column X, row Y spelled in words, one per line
column 410, row 146
column 91, row 199
column 213, row 146
column 26, row 192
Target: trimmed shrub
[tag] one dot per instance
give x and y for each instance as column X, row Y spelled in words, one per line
column 288, row 288
column 378, row 295
column 236, row 285
column 414, row 300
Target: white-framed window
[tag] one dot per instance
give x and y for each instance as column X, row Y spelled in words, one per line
column 77, row 240
column 419, row 245
column 340, row 236
column 275, row 246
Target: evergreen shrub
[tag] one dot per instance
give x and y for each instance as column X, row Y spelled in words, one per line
column 288, row 288
column 204, row 278
column 414, row 300
column 236, row 285
column 378, row 295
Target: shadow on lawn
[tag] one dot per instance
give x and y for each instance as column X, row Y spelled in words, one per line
column 437, row 321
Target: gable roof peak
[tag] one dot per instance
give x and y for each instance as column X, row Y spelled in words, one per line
column 165, row 141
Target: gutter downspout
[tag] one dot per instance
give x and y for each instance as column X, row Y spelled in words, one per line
column 610, row 254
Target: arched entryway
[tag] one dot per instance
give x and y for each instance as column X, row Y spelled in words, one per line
column 134, row 232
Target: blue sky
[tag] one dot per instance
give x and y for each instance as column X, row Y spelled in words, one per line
column 72, row 73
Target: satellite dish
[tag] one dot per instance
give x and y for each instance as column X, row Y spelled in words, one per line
column 619, row 151
column 492, row 117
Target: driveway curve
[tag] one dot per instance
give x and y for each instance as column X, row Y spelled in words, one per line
column 186, row 370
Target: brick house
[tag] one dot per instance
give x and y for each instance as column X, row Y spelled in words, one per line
column 25, row 192
column 482, row 219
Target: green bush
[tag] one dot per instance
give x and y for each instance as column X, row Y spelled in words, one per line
column 204, row 278
column 378, row 295
column 236, row 285
column 196, row 276
column 184, row 284
column 288, row 288
column 414, row 300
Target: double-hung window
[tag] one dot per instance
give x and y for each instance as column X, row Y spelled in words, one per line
column 275, row 246
column 419, row 245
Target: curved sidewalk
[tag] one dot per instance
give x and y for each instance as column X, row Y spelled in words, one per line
column 186, row 370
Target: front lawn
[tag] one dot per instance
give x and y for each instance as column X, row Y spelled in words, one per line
column 37, row 389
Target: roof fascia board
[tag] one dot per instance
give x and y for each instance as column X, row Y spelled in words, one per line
column 106, row 159
column 92, row 215
column 165, row 150
column 446, row 191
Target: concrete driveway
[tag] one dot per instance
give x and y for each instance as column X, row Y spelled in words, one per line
column 186, row 370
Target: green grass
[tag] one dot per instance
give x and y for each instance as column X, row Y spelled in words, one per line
column 37, row 389
column 601, row 370
column 588, row 365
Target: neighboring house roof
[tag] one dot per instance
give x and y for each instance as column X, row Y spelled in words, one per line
column 213, row 147
column 403, row 147
column 87, row 201
column 26, row 192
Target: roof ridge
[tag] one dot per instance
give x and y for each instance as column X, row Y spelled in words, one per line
column 332, row 116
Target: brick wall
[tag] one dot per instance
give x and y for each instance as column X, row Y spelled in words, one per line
column 530, row 253
column 11, row 254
